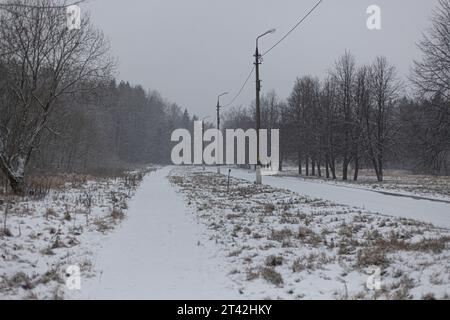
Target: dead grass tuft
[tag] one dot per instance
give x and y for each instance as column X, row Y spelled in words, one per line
column 271, row 275
column 274, row 261
column 281, row 235
column 5, row 232
column 368, row 257
column 308, row 236
column 117, row 214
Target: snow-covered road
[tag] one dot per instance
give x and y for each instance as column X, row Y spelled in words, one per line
column 437, row 213
column 158, row 252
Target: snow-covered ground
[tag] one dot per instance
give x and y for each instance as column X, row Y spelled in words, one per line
column 400, row 182
column 437, row 213
column 185, row 237
column 43, row 237
column 160, row 252
column 281, row 244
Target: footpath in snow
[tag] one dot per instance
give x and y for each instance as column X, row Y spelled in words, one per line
column 158, row 252
column 428, row 211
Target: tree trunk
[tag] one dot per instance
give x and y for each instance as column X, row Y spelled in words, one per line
column 333, row 168
column 16, row 180
column 355, row 177
column 380, row 169
column 345, row 170
column 319, row 169
column 307, row 166
column 17, row 185
column 300, row 169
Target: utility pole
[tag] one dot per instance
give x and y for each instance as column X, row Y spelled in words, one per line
column 258, row 107
column 218, row 129
column 258, row 114
column 218, row 144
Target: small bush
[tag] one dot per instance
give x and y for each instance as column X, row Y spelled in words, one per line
column 274, row 261
column 298, row 266
column 102, row 225
column 269, row 208
column 50, row 213
column 281, row 235
column 20, row 280
column 269, row 274
column 5, row 232
column 308, row 236
column 371, row 257
column 117, row 214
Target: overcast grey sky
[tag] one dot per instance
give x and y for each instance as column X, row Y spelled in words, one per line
column 192, row 50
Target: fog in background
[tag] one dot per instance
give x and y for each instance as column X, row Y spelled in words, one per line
column 193, row 50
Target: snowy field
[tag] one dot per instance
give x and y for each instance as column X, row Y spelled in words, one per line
column 40, row 238
column 395, row 181
column 280, row 244
column 178, row 233
column 398, row 205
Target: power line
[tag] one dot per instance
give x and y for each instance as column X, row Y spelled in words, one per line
column 295, row 27
column 30, row 6
column 242, row 88
column 276, row 44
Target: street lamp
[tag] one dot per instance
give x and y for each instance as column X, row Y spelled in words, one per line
column 258, row 109
column 218, row 128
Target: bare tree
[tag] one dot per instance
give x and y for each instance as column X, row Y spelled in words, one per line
column 43, row 63
column 362, row 111
column 302, row 105
column 431, row 77
column 379, row 116
column 344, row 76
column 432, row 74
column 328, row 105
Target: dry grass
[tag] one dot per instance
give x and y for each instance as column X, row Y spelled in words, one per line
column 308, row 236
column 117, row 214
column 5, row 232
column 289, row 231
column 281, row 235
column 271, row 275
column 274, row 261
column 368, row 257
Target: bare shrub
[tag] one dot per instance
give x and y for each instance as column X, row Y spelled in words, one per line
column 5, row 232
column 102, row 225
column 274, row 261
column 50, row 212
column 307, row 235
column 117, row 214
column 19, row 280
column 371, row 257
column 269, row 274
column 281, row 235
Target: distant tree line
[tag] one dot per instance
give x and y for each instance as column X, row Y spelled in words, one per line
column 357, row 118
column 61, row 109
column 118, row 127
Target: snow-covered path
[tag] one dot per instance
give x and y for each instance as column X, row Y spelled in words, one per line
column 437, row 213
column 158, row 252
